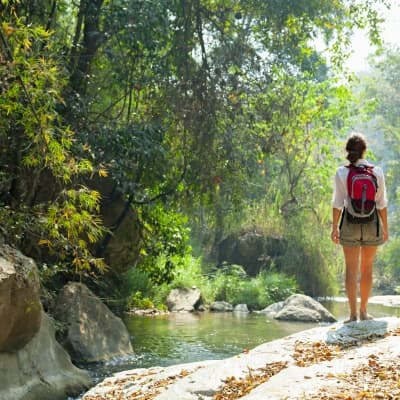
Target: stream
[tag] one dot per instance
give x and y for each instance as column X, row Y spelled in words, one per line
column 186, row 337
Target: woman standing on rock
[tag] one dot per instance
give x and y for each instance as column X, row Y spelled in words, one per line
column 359, row 235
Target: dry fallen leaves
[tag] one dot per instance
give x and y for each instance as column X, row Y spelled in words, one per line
column 235, row 388
column 395, row 332
column 378, row 379
column 150, row 387
column 310, row 353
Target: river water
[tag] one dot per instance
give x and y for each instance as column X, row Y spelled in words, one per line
column 185, row 337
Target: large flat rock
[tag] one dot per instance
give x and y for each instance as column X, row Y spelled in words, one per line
column 303, row 364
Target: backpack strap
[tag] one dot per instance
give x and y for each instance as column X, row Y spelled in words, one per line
column 342, row 218
column 377, row 223
column 366, row 166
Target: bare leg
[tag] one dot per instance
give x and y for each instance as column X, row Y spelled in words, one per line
column 366, row 267
column 352, row 257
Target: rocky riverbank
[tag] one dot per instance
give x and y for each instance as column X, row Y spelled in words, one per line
column 329, row 362
column 33, row 364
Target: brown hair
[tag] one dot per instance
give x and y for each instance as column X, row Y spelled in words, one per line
column 355, row 147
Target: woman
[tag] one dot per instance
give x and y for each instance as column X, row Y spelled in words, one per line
column 359, row 241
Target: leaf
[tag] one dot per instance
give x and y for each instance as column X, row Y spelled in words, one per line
column 7, row 28
column 103, row 173
column 44, row 242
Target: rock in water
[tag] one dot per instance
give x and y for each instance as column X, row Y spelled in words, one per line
column 299, row 307
column 93, row 332
column 184, row 299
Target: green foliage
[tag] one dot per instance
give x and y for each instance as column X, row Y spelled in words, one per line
column 279, row 286
column 189, row 273
column 72, row 225
column 229, row 283
column 312, row 259
column 388, row 263
column 268, row 287
column 138, row 301
column 36, row 145
column 380, row 88
column 200, row 108
column 165, row 239
column 138, row 291
column 133, row 281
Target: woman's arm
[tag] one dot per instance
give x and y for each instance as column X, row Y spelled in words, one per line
column 383, row 215
column 336, row 212
column 381, row 203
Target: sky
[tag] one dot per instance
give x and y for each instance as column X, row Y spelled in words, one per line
column 390, row 35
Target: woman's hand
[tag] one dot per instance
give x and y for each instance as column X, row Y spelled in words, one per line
column 336, row 216
column 335, row 234
column 385, row 235
column 383, row 216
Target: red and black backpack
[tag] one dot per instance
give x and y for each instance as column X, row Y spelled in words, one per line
column 361, row 188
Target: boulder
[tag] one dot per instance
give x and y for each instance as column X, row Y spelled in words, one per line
column 42, row 369
column 299, row 307
column 221, row 306
column 241, row 308
column 252, row 250
column 184, row 299
column 121, row 247
column 20, row 307
column 93, row 333
column 272, row 309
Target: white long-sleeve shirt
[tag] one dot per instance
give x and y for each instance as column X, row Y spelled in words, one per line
column 340, row 197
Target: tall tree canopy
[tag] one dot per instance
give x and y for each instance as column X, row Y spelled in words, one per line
column 192, row 106
column 380, row 89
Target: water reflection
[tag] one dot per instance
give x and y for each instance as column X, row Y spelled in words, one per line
column 340, row 309
column 186, row 337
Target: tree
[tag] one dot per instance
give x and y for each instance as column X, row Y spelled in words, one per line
column 186, row 102
column 381, row 89
column 36, row 151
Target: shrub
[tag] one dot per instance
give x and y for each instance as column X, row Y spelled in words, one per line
column 137, row 300
column 277, row 287
column 134, row 281
column 257, row 293
column 229, row 283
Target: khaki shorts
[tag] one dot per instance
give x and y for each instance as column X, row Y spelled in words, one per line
column 368, row 234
